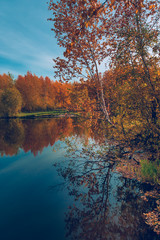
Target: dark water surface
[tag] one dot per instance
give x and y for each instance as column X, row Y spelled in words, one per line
column 52, row 187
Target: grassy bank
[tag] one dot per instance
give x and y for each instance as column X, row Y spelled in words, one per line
column 48, row 114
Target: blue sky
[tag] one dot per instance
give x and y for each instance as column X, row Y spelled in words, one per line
column 26, row 40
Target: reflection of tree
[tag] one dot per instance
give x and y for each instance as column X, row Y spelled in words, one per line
column 106, row 206
column 42, row 133
column 90, row 128
column 11, row 136
column 35, row 135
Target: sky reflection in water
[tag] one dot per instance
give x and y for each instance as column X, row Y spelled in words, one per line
column 50, row 191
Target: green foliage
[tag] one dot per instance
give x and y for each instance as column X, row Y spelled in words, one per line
column 10, row 102
column 151, row 171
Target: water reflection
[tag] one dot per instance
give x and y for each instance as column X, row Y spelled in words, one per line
column 11, row 137
column 106, row 205
column 35, row 135
column 100, row 178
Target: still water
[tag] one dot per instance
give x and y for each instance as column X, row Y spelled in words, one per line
column 53, row 186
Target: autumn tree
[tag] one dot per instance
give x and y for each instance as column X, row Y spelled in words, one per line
column 49, row 93
column 133, row 36
column 5, row 81
column 62, row 94
column 10, row 98
column 37, row 93
column 82, row 98
column 82, row 42
column 40, row 93
column 10, row 102
column 30, row 87
column 124, row 32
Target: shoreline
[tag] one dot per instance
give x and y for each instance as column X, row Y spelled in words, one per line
column 41, row 115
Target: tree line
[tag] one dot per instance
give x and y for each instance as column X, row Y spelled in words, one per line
column 126, row 94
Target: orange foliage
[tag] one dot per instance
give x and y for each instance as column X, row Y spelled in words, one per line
column 5, row 81
column 42, row 94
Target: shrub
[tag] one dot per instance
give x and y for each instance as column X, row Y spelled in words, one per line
column 10, row 102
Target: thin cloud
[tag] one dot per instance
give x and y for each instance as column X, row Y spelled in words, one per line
column 26, row 39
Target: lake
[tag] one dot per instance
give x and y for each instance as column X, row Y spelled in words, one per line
column 54, row 184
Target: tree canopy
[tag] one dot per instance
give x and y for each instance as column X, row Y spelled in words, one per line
column 123, row 33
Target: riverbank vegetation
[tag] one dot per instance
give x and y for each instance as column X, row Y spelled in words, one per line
column 129, row 101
